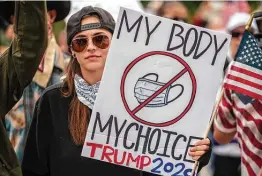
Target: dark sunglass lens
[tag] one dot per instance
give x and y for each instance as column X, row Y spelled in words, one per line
column 79, row 45
column 101, row 41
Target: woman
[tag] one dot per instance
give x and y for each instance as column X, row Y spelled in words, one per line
column 58, row 129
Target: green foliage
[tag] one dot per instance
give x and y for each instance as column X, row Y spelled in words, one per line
column 192, row 6
column 144, row 3
column 254, row 5
column 58, row 27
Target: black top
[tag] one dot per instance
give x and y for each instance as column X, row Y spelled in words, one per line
column 50, row 150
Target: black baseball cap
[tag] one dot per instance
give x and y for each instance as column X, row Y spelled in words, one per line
column 74, row 23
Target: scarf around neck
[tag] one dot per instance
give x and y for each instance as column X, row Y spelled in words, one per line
column 86, row 93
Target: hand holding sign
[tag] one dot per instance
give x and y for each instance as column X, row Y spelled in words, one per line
column 200, row 148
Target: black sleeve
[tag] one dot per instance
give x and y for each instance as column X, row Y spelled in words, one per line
column 20, row 62
column 36, row 155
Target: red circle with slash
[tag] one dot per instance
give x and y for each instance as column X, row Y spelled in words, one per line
column 181, row 73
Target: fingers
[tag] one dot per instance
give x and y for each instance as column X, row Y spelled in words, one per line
column 200, row 148
column 196, row 155
column 203, row 142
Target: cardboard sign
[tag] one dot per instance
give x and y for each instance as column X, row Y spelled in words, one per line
column 157, row 93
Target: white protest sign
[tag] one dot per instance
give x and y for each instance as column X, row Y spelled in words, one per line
column 157, row 93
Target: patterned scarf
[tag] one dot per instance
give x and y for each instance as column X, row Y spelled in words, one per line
column 86, row 93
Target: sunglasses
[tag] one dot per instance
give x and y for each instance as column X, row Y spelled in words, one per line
column 100, row 41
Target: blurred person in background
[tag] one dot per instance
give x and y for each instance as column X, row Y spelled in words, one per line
column 49, row 72
column 4, row 42
column 227, row 157
column 259, row 24
column 239, row 116
column 9, row 32
column 153, row 6
column 232, row 7
column 173, row 10
column 216, row 23
column 18, row 65
column 61, row 41
column 207, row 10
column 236, row 27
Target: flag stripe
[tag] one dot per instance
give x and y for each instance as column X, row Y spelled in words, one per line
column 257, row 106
column 254, row 157
column 244, row 81
column 224, row 107
column 224, row 122
column 222, row 128
column 244, row 86
column 250, row 117
column 246, row 77
column 247, row 72
column 252, row 139
column 243, row 91
column 248, row 167
column 246, row 67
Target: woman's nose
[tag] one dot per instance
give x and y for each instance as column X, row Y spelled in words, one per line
column 90, row 46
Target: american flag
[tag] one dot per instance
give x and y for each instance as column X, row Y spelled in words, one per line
column 245, row 74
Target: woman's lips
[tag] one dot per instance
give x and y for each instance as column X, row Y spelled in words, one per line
column 92, row 57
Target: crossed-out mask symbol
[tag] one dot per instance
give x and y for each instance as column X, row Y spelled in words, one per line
column 146, row 87
column 160, row 97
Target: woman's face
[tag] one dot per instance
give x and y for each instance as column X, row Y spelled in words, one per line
column 92, row 58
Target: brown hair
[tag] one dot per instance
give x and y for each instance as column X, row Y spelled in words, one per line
column 78, row 114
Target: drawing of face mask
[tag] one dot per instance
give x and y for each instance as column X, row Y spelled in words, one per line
column 144, row 88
